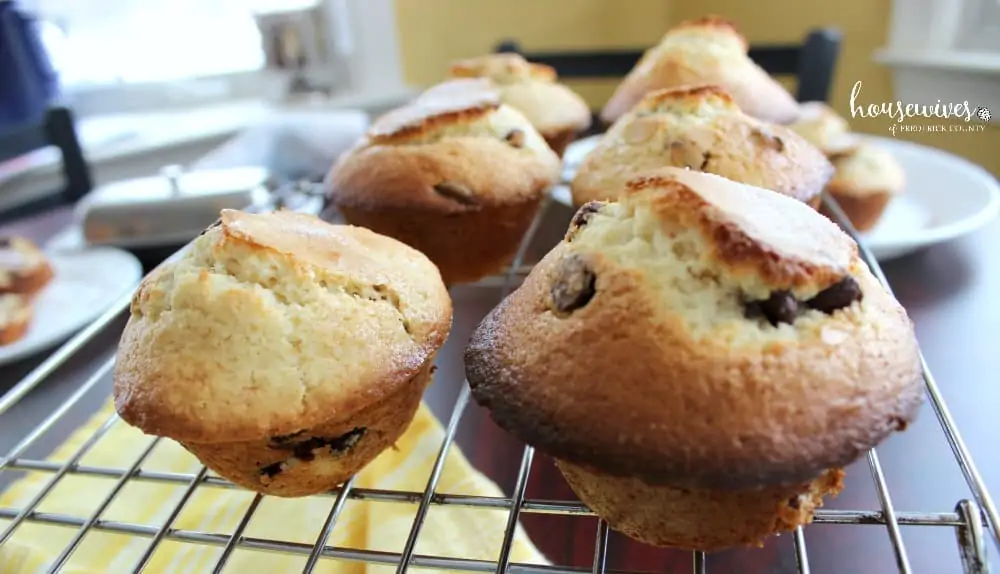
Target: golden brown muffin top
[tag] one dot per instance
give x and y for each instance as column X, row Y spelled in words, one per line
column 701, row 128
column 708, row 50
column 270, row 324
column 723, row 335
column 530, row 88
column 823, row 127
column 503, row 69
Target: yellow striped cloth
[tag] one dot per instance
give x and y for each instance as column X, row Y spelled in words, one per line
column 473, row 533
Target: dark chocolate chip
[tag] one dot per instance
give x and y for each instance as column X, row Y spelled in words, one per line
column 583, row 214
column 768, row 140
column 794, row 503
column 5, row 241
column 455, row 192
column 837, row 296
column 573, row 284
column 305, row 450
column 217, row 223
column 705, row 158
column 272, row 470
column 515, row 138
column 780, row 307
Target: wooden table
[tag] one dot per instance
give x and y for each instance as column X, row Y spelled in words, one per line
column 950, row 292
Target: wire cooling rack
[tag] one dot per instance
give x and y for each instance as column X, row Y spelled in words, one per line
column 973, row 521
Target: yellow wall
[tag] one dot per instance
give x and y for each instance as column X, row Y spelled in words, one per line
column 433, row 32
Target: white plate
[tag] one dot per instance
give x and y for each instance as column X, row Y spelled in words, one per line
column 945, row 197
column 85, row 285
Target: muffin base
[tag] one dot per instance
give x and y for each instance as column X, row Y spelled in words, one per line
column 29, row 282
column 698, row 519
column 560, row 140
column 271, row 466
column 465, row 246
column 864, row 211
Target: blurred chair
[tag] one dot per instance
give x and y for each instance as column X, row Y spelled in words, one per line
column 55, row 128
column 812, row 62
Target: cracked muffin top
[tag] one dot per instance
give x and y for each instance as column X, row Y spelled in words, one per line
column 454, row 148
column 701, row 128
column 530, row 88
column 723, row 335
column 271, row 323
column 708, row 50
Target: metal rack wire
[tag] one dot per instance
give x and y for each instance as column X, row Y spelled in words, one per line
column 973, row 521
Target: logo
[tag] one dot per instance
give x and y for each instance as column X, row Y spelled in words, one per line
column 960, row 114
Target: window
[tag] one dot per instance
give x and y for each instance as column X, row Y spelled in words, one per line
column 128, row 55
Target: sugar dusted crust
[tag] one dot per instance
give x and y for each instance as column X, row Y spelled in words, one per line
column 271, row 324
column 531, row 89
column 456, row 137
column 709, row 50
column 639, row 318
column 701, row 128
column 503, row 69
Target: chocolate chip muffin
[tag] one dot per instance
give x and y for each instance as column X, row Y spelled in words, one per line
column 823, row 127
column 709, row 50
column 557, row 112
column 455, row 174
column 865, row 181
column 703, row 129
column 24, row 269
column 702, row 358
column 284, row 352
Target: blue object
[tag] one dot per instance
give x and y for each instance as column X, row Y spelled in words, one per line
column 28, row 83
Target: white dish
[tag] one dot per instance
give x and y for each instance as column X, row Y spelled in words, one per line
column 85, row 284
column 945, row 197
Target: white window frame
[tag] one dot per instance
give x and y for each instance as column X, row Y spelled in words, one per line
column 363, row 47
column 930, row 57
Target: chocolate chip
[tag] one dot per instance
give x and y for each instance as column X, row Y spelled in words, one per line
column 5, row 241
column 573, row 284
column 705, row 157
column 780, row 307
column 455, row 192
column 272, row 470
column 305, row 450
column 768, row 140
column 515, row 138
column 582, row 215
column 794, row 503
column 217, row 223
column 837, row 296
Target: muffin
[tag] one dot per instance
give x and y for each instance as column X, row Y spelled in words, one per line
column 703, row 129
column 24, row 269
column 557, row 112
column 821, row 126
column 702, row 358
column 284, row 352
column 455, row 174
column 709, row 50
column 864, row 182
column 16, row 312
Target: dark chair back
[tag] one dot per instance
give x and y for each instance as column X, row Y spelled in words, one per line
column 56, row 128
column 813, row 62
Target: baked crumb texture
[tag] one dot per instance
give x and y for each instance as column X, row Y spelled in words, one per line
column 456, row 174
column 282, row 351
column 709, row 50
column 700, row 128
column 703, row 338
column 553, row 109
